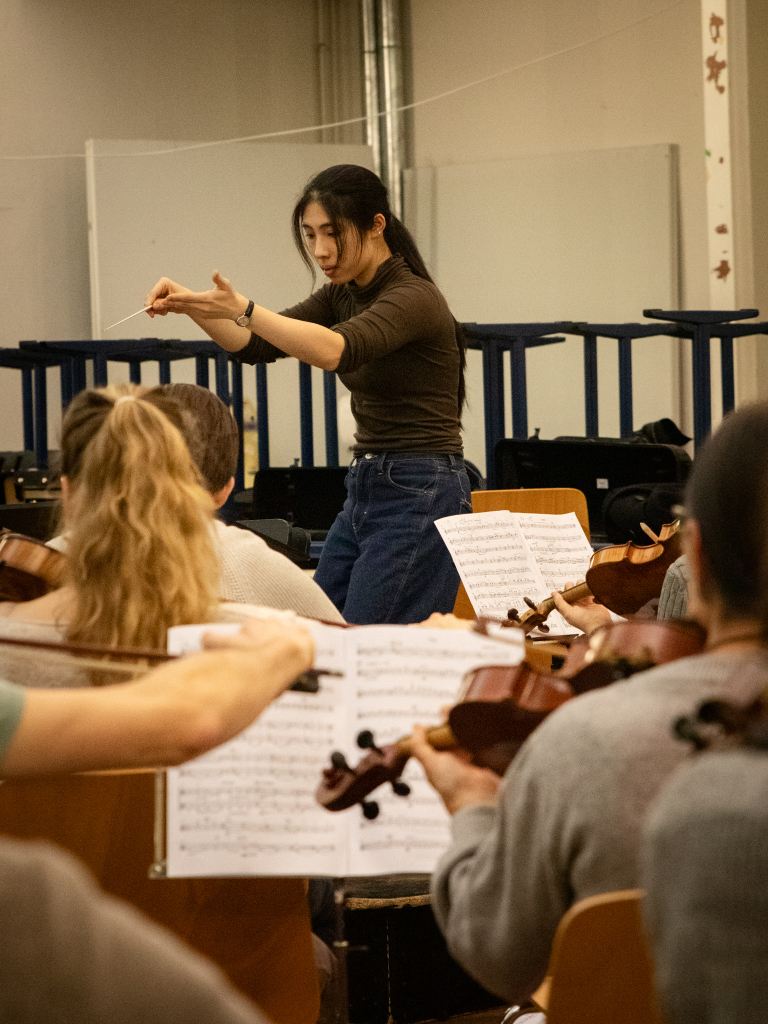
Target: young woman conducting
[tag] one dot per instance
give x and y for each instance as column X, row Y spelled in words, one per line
column 382, row 325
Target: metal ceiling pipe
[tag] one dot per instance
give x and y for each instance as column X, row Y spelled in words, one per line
column 323, row 62
column 371, row 78
column 392, row 78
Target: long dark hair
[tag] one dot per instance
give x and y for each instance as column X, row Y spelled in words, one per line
column 351, row 197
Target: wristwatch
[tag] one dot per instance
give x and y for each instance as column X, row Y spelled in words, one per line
column 245, row 319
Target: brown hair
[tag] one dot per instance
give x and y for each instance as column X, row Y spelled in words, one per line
column 140, row 552
column 212, row 437
column 727, row 495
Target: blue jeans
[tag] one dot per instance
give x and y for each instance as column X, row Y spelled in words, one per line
column 384, row 560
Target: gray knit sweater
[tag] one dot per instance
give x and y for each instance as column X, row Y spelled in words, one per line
column 72, row 954
column 705, row 866
column 569, row 817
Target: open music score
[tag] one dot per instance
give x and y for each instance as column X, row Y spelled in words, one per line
column 248, row 807
column 503, row 557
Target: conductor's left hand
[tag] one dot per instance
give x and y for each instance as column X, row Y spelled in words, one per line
column 459, row 783
column 221, row 302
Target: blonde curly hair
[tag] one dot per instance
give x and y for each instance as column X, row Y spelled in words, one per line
column 141, row 555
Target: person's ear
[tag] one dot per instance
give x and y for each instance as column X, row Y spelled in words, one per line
column 219, row 497
column 379, row 224
column 692, row 549
column 64, row 490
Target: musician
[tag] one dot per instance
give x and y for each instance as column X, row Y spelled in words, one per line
column 70, row 952
column 565, row 822
column 250, row 571
column 174, row 713
column 705, row 871
column 140, row 550
column 383, row 326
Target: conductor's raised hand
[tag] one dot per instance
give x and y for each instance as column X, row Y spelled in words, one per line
column 459, row 783
column 221, row 302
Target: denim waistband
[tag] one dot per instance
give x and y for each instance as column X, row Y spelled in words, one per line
column 447, row 458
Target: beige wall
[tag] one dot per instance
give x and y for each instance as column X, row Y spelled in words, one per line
column 183, row 69
column 641, row 86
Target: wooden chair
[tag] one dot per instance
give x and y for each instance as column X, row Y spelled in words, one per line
column 256, row 929
column 550, row 500
column 600, row 971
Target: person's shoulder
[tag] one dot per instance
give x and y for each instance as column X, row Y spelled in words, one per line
column 236, row 536
column 600, row 709
column 416, row 293
column 726, row 782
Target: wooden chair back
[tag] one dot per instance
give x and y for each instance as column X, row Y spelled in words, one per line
column 550, row 500
column 256, row 929
column 600, row 970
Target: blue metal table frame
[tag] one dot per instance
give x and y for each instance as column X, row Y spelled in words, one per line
column 493, row 340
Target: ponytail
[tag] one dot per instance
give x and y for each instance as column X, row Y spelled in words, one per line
column 141, row 556
column 352, row 196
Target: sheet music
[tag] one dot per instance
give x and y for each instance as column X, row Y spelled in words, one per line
column 559, row 546
column 503, row 557
column 248, row 807
column 406, row 676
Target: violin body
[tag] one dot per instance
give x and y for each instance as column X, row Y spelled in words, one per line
column 28, row 568
column 500, row 706
column 627, row 576
column 623, row 578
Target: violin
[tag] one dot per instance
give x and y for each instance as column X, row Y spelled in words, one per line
column 623, row 577
column 500, row 706
column 28, row 568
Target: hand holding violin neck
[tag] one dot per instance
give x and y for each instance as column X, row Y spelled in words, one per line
column 538, row 614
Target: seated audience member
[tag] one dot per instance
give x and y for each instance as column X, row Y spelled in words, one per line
column 705, row 871
column 251, row 572
column 565, row 822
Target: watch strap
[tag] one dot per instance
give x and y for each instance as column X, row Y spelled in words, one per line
column 243, row 321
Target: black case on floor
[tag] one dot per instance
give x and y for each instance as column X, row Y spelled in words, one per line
column 308, row 497
column 594, row 467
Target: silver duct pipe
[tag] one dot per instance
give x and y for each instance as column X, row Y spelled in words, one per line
column 383, row 69
column 371, row 76
column 323, row 61
column 391, row 60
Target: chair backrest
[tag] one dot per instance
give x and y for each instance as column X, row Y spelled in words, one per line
column 600, row 970
column 256, row 929
column 551, row 500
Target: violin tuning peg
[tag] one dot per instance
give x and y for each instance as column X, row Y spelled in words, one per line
column 529, row 602
column 401, row 788
column 543, row 627
column 370, row 809
column 339, row 762
column 366, row 741
column 513, row 615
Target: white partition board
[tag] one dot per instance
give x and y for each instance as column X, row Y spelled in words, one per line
column 185, row 214
column 569, row 236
